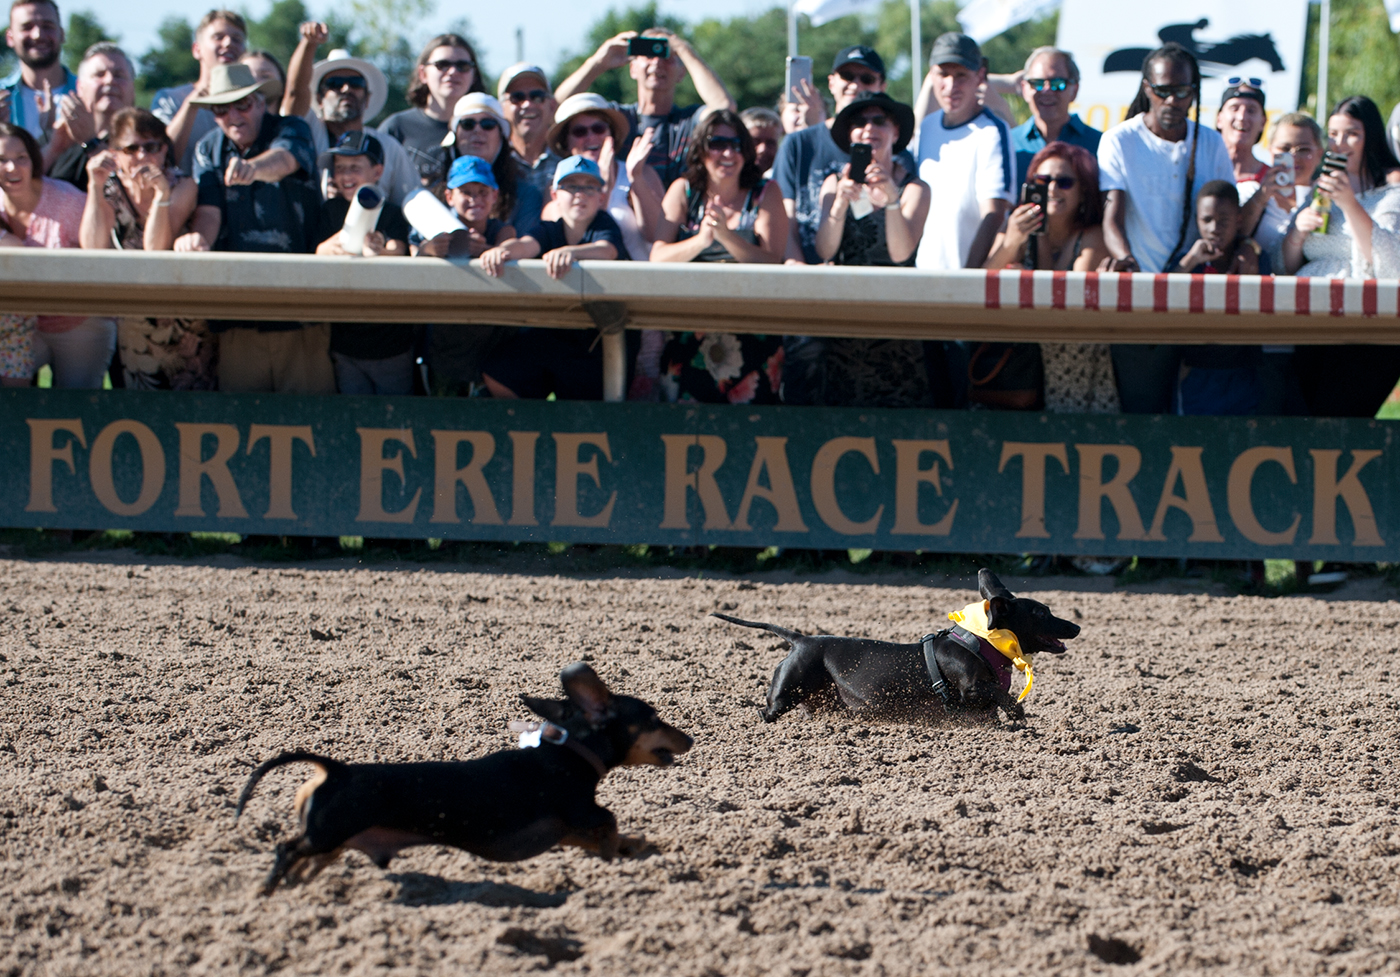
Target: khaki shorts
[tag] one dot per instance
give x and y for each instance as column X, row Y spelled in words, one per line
column 297, row 361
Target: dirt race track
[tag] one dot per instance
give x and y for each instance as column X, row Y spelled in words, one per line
column 1203, row 784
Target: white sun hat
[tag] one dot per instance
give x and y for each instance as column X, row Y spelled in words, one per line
column 341, row 60
column 475, row 103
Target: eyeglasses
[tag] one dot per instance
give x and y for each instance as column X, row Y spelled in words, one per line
column 342, row 82
column 597, row 129
column 1236, row 81
column 579, row 189
column 487, row 124
column 1054, row 84
column 150, row 147
column 533, row 95
column 873, row 120
column 863, row 77
column 443, row 67
column 242, row 106
column 1063, row 182
column 718, row 144
column 1178, row 92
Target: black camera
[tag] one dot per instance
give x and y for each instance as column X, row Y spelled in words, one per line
column 649, row 47
column 1036, row 193
column 1334, row 162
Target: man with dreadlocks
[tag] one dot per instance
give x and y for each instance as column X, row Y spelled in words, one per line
column 1151, row 167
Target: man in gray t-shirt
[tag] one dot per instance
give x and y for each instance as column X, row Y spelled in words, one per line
column 220, row 38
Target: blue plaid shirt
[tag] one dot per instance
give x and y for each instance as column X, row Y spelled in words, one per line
column 1026, row 141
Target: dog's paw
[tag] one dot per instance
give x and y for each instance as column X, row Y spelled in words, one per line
column 630, row 847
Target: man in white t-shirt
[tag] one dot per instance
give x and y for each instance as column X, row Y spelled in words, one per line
column 965, row 155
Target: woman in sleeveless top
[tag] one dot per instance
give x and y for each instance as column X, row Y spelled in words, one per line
column 1078, row 376
column 722, row 210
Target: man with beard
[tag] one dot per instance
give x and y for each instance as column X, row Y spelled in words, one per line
column 529, row 107
column 29, row 97
column 106, row 85
column 336, row 96
column 220, row 38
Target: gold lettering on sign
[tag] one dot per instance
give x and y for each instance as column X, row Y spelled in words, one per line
column 680, row 479
column 824, row 484
column 194, row 468
column 568, row 468
column 1239, row 494
column 43, row 454
column 1093, row 490
column 1186, row 467
column 373, row 465
column 280, row 439
column 907, row 478
column 152, row 468
column 1326, row 489
column 447, row 475
column 1033, row 455
column 771, row 454
column 522, row 478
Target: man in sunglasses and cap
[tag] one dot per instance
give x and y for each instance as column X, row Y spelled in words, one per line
column 1049, row 84
column 529, row 107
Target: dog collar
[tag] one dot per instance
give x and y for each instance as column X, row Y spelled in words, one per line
column 973, row 619
column 533, row 734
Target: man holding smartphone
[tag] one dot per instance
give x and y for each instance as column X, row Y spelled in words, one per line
column 657, row 72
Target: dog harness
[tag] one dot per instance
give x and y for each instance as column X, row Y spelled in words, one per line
column 533, row 734
column 973, row 619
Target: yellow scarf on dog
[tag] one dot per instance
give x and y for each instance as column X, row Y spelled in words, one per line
column 973, row 618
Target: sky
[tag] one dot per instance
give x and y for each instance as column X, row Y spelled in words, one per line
column 552, row 27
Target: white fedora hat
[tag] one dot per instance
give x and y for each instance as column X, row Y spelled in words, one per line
column 341, row 60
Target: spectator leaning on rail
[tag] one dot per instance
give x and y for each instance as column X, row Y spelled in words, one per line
column 1151, row 167
column 255, row 194
column 1350, row 229
column 723, row 210
column 220, row 39
column 656, row 106
column 48, row 213
column 137, row 199
column 30, row 97
column 106, row 86
column 447, row 69
column 1049, row 85
column 529, row 107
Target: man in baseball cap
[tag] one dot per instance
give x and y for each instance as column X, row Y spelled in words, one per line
column 529, row 106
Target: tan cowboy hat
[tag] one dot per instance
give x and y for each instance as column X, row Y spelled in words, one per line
column 228, row 83
column 341, row 60
column 591, row 104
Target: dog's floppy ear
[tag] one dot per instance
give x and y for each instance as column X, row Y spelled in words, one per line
column 550, row 709
column 998, row 609
column 989, row 586
column 587, row 690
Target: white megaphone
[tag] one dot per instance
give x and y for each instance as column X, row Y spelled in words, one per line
column 361, row 218
column 429, row 215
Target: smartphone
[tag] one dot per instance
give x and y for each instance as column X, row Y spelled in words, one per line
column 1036, row 193
column 1289, row 176
column 860, row 159
column 649, row 47
column 799, row 69
column 1334, row 161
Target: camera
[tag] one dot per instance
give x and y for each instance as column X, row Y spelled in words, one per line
column 1288, row 176
column 649, row 47
column 1334, row 162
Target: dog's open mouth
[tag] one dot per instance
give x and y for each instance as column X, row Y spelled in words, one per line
column 1053, row 645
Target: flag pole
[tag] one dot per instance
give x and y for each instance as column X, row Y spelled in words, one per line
column 1324, row 51
column 916, row 50
column 792, row 30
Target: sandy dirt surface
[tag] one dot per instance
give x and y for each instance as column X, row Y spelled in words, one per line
column 1203, row 784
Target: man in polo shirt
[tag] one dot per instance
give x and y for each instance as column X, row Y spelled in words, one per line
column 1049, row 85
column 529, row 107
column 965, row 155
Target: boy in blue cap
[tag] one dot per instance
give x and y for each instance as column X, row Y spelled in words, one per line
column 584, row 231
column 471, row 192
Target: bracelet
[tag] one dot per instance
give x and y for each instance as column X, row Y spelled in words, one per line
column 161, row 203
column 894, row 206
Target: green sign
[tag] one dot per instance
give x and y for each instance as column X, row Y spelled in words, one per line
column 689, row 474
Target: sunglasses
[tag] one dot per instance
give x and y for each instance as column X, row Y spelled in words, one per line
column 1165, row 92
column 1054, row 84
column 597, row 128
column 487, row 124
column 341, row 82
column 864, row 77
column 241, row 106
column 873, row 120
column 150, row 148
column 538, row 95
column 443, row 67
column 718, row 144
column 1236, row 81
column 1063, row 182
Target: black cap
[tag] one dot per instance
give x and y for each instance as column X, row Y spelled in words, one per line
column 859, row 54
column 1242, row 91
column 955, row 48
column 357, row 142
column 845, row 121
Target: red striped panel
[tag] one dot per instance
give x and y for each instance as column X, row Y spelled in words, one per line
column 1159, row 293
column 993, row 297
column 1302, row 300
column 1027, row 289
column 1198, row 293
column 1368, row 297
column 1091, row 290
column 1057, row 290
column 1266, row 294
column 1232, row 294
column 1125, row 291
column 1338, row 296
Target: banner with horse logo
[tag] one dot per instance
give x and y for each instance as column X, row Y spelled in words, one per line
column 1250, row 39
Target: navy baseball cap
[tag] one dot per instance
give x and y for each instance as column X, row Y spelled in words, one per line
column 358, row 143
column 859, row 54
column 955, row 48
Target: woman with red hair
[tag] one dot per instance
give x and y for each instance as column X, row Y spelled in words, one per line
column 1065, row 236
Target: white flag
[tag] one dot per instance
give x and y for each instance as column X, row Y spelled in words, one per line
column 821, row 11
column 1392, row 7
column 983, row 20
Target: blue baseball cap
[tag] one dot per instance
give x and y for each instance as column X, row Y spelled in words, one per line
column 471, row 169
column 577, row 164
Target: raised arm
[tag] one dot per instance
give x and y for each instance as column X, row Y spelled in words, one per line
column 708, row 85
column 296, row 100
column 95, row 232
column 612, row 54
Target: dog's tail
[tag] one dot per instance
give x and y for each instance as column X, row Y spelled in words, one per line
column 789, row 636
column 327, row 765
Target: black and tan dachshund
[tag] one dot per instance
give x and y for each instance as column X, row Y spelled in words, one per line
column 958, row 666
column 504, row 807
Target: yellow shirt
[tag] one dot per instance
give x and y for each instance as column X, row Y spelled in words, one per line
column 973, row 618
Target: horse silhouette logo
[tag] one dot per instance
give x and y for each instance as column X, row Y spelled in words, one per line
column 1234, row 51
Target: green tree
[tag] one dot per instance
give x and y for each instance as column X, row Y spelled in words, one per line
column 1364, row 57
column 278, row 32
column 84, row 30
column 170, row 62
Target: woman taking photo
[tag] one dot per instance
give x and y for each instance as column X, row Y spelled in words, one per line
column 1067, row 236
column 722, row 209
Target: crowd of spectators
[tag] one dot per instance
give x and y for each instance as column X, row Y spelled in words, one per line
column 251, row 157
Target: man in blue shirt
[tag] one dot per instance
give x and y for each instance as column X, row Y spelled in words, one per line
column 29, row 97
column 1049, row 84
